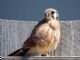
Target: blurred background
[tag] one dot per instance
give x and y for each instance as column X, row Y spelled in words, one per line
column 34, row 9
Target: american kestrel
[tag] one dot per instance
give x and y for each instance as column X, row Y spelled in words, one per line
column 44, row 38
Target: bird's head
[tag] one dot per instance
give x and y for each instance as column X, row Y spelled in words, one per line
column 51, row 13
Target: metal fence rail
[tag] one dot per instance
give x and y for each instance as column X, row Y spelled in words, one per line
column 13, row 33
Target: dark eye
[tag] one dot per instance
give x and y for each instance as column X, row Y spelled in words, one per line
column 46, row 14
column 52, row 12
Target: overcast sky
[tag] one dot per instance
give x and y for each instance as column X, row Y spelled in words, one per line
column 34, row 9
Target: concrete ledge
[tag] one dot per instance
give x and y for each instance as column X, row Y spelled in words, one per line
column 40, row 58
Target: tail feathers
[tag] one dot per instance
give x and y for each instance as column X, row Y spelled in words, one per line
column 19, row 52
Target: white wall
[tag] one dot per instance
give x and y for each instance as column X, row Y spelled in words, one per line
column 13, row 33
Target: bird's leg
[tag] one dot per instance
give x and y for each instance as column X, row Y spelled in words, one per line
column 54, row 52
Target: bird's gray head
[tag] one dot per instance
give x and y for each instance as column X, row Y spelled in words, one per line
column 51, row 13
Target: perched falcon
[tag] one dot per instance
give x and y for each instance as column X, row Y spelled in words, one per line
column 44, row 37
